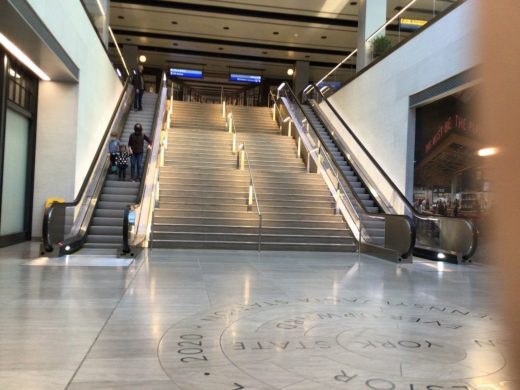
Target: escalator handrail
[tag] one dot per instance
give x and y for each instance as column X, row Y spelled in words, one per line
column 349, row 185
column 48, row 211
column 128, row 208
column 390, row 181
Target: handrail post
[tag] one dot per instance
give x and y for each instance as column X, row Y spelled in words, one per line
column 299, row 154
column 260, row 233
column 224, row 109
column 289, row 128
column 242, row 158
column 234, row 146
column 230, row 122
column 250, row 195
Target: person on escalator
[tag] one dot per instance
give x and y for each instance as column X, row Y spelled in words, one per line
column 136, row 145
column 122, row 162
column 113, row 149
column 138, row 83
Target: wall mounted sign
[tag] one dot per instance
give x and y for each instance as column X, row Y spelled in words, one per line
column 188, row 73
column 411, row 24
column 246, row 78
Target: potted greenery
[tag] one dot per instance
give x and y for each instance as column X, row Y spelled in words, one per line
column 381, row 45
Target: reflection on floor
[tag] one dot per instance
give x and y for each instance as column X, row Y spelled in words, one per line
column 193, row 319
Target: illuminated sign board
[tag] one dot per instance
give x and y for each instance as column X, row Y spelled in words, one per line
column 189, row 73
column 411, row 24
column 247, row 78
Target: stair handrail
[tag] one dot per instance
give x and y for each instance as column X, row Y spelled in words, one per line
column 243, row 156
column 133, row 213
column 409, row 206
column 322, row 146
column 96, row 173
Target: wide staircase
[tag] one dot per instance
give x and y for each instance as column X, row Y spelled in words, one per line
column 203, row 196
column 106, row 229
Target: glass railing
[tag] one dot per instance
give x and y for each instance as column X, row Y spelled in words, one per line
column 403, row 22
column 388, row 235
column 240, row 149
column 438, row 236
column 65, row 225
column 137, row 217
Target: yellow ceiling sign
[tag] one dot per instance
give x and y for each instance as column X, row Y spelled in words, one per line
column 412, row 22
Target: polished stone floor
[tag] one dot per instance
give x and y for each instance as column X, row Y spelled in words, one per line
column 190, row 319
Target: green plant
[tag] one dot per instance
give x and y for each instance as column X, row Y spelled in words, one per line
column 381, row 45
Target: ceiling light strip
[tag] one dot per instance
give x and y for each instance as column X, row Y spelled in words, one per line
column 118, row 50
column 22, row 57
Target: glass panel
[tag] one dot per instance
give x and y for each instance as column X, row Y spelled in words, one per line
column 15, row 173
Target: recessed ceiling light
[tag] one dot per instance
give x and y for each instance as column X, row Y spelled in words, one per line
column 174, row 22
column 353, row 3
column 128, row 40
column 276, row 33
column 221, row 48
column 323, row 37
column 226, row 28
column 120, row 17
column 175, row 44
column 307, row 56
column 264, row 52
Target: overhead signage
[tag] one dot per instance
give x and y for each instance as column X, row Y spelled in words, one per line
column 411, row 24
column 189, row 73
column 246, row 78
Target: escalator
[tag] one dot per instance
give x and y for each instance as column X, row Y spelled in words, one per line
column 386, row 235
column 437, row 237
column 96, row 221
column 106, row 229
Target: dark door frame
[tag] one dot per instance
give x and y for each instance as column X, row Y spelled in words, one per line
column 31, row 114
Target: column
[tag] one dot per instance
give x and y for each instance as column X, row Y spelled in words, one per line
column 372, row 15
column 301, row 76
column 130, row 54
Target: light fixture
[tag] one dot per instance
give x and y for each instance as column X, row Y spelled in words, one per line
column 118, row 50
column 441, row 256
column 486, row 152
column 142, row 58
column 118, row 72
column 290, row 71
column 67, row 248
column 287, row 119
column 280, row 87
column 22, row 57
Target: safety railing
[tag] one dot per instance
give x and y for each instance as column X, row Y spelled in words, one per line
column 65, row 225
column 443, row 236
column 242, row 159
column 407, row 21
column 375, row 232
column 137, row 218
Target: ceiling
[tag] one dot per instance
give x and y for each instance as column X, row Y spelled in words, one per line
column 251, row 36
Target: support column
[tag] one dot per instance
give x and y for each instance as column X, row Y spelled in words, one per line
column 301, row 76
column 372, row 15
column 130, row 54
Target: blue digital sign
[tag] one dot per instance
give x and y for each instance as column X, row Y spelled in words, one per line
column 246, row 78
column 189, row 73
